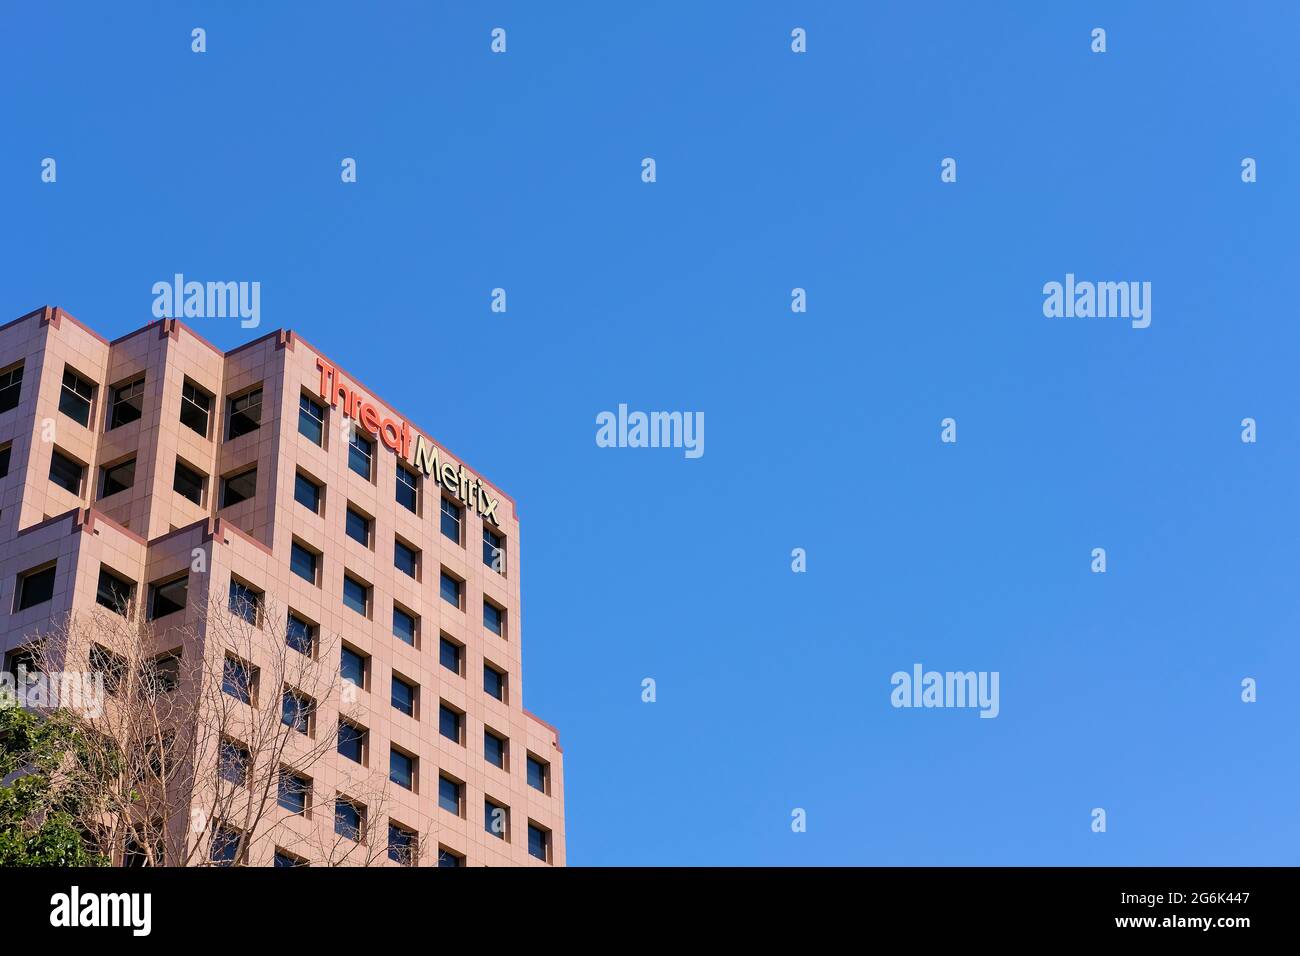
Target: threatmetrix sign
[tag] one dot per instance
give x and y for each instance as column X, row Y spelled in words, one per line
column 395, row 435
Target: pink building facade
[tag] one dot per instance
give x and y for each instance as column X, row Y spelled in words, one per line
column 132, row 456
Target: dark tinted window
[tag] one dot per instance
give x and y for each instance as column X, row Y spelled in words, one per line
column 538, row 842
column 352, row 667
column 537, row 772
column 355, row 595
column 306, row 492
column 449, row 653
column 401, row 845
column 128, row 403
column 449, row 588
column 494, row 749
column 168, row 597
column 347, row 819
column 11, row 382
column 493, row 618
column 352, row 741
column 449, row 795
column 302, row 562
column 113, row 592
column 35, row 587
column 240, row 487
column 196, row 407
column 74, row 398
column 494, row 682
column 404, row 625
column 66, row 473
column 311, row 419
column 496, row 819
column 404, row 697
column 117, row 478
column 449, row 723
column 295, row 711
column 405, row 558
column 189, row 483
column 300, row 635
column 401, row 769
column 408, row 484
column 494, row 551
column 237, row 680
column 246, row 413
column 361, row 453
column 358, row 527
column 292, row 794
column 450, row 519
column 245, row 602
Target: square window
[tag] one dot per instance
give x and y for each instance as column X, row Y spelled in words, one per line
column 306, row 492
column 34, row 587
column 189, row 483
column 66, row 473
column 451, row 655
column 352, row 741
column 349, row 819
column 494, row 618
column 401, row 769
column 232, row 764
column 117, row 478
column 451, row 723
column 303, row 562
column 494, row 682
column 285, row 858
column 168, row 597
column 539, row 842
column 238, row 487
column 114, row 592
column 311, row 419
column 237, row 679
column 245, row 413
column 450, row 858
column 496, row 818
column 451, row 796
column 402, row 847
column 300, row 634
column 353, row 667
column 292, row 792
column 11, row 381
column 539, row 774
column 408, row 489
column 162, row 674
column 361, row 453
column 406, row 559
column 494, row 749
column 196, row 408
column 451, row 515
column 296, row 711
column 356, row 595
column 449, row 588
column 358, row 527
column 128, row 403
column 494, row 550
column 225, row 847
column 75, row 396
column 246, row 602
column 405, row 626
column 403, row 696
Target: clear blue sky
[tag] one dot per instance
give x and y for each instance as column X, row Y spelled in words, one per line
column 775, row 170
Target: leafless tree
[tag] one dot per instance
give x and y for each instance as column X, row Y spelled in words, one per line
column 205, row 745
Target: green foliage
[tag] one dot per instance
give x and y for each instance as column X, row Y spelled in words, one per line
column 37, row 817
